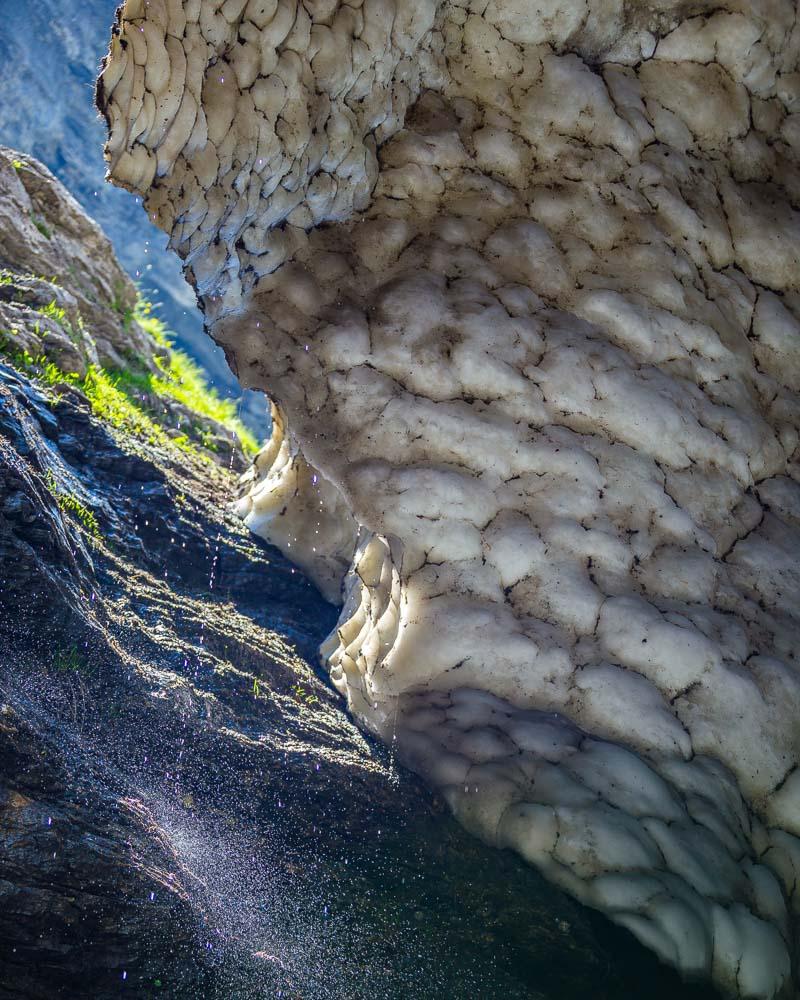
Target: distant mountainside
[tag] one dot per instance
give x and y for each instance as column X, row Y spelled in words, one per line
column 50, row 53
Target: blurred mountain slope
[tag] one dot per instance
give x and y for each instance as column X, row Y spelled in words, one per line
column 50, row 53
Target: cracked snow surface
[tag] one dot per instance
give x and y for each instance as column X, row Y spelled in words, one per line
column 523, row 280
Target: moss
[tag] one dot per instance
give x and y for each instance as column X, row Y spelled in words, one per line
column 70, row 504
column 41, row 225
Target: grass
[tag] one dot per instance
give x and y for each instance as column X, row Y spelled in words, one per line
column 118, row 305
column 70, row 504
column 38, row 367
column 184, row 381
column 59, row 315
column 56, row 313
column 108, row 402
column 114, row 405
column 11, row 277
column 52, row 375
column 304, row 696
column 41, row 225
column 69, row 660
column 125, row 398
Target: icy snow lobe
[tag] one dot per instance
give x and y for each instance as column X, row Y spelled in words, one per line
column 522, row 282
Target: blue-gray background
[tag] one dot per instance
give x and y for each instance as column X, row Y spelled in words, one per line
column 50, row 51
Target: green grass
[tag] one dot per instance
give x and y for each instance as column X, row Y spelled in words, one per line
column 114, row 405
column 126, row 399
column 52, row 375
column 183, row 380
column 70, row 504
column 41, row 225
column 38, row 367
column 12, row 277
column 23, row 360
column 69, row 659
column 54, row 312
column 59, row 315
column 119, row 306
column 108, row 402
column 304, row 696
column 155, row 328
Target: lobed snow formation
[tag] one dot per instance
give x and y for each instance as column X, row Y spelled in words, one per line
column 522, row 278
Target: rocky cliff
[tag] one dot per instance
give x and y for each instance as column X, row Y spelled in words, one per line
column 522, row 280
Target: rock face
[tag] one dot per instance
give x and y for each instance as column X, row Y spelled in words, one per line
column 45, row 234
column 522, row 280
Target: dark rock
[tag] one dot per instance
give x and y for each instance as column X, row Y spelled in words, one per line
column 78, row 865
